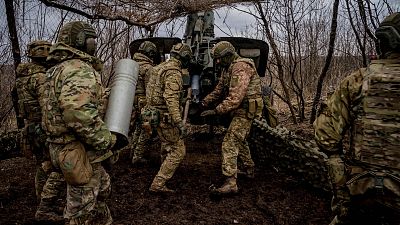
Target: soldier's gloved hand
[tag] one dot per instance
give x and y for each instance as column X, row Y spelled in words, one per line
column 336, row 170
column 113, row 142
column 105, row 154
column 203, row 105
column 208, row 113
column 182, row 129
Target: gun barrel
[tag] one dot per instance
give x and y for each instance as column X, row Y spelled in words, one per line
column 187, row 104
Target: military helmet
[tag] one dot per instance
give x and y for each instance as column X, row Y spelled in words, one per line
column 222, row 49
column 76, row 34
column 38, row 49
column 183, row 50
column 388, row 32
column 147, row 47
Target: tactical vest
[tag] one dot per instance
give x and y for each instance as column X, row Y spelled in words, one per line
column 30, row 77
column 52, row 121
column 252, row 101
column 156, row 86
column 376, row 131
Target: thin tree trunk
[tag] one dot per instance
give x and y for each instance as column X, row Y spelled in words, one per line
column 357, row 35
column 278, row 60
column 332, row 38
column 12, row 30
column 364, row 19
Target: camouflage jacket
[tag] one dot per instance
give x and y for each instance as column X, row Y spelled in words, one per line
column 29, row 82
column 344, row 107
column 238, row 85
column 73, row 99
column 145, row 63
column 164, row 89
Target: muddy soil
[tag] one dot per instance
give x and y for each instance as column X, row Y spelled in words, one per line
column 271, row 198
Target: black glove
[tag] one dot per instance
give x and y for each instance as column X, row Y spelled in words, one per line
column 203, row 105
column 208, row 113
column 182, row 129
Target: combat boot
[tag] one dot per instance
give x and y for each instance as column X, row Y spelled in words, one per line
column 46, row 211
column 248, row 172
column 158, row 186
column 136, row 161
column 229, row 187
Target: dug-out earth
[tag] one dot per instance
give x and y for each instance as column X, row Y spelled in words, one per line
column 273, row 197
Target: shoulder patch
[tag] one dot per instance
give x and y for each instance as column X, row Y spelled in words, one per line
column 234, row 81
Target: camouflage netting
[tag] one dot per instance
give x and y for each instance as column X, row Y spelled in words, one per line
column 137, row 12
column 9, row 144
column 281, row 149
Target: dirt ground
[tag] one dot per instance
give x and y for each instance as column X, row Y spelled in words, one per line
column 271, row 198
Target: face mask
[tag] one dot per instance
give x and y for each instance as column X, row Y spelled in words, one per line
column 185, row 61
column 151, row 54
column 223, row 61
column 97, row 64
column 91, row 46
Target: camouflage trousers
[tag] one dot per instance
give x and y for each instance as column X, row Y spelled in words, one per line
column 139, row 143
column 140, row 139
column 173, row 150
column 361, row 202
column 34, row 143
column 235, row 145
column 43, row 170
column 53, row 187
column 86, row 204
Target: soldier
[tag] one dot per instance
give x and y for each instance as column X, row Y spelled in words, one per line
column 366, row 177
column 164, row 98
column 145, row 57
column 30, row 76
column 240, row 90
column 29, row 85
column 78, row 138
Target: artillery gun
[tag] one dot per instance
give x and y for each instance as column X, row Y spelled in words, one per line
column 202, row 76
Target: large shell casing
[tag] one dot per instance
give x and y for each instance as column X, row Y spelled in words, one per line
column 120, row 102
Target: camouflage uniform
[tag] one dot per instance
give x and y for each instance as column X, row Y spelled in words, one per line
column 163, row 93
column 358, row 181
column 240, row 89
column 30, row 76
column 238, row 85
column 366, row 177
column 29, row 85
column 77, row 134
column 139, row 137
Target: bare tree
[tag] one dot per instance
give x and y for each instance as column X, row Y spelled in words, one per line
column 356, row 33
column 15, row 52
column 13, row 32
column 278, row 58
column 328, row 60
